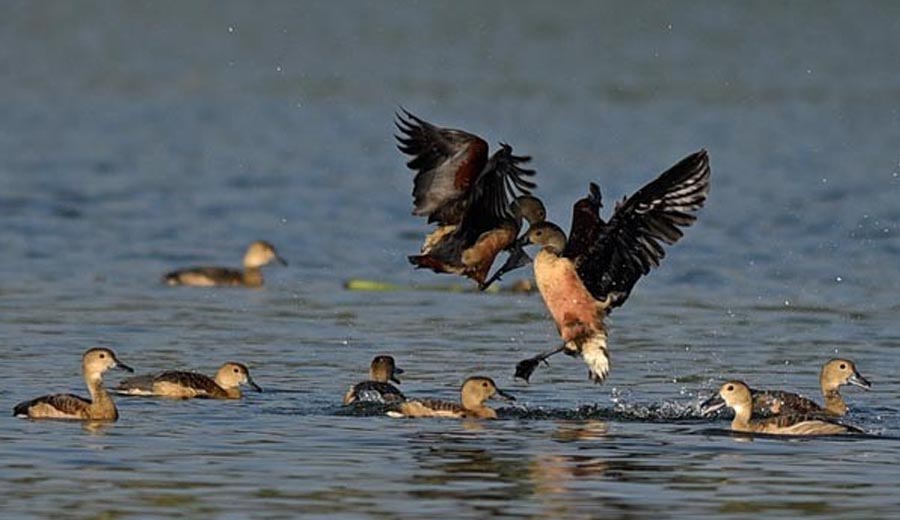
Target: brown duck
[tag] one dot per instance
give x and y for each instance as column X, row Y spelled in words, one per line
column 259, row 254
column 478, row 202
column 378, row 388
column 474, row 393
column 835, row 373
column 185, row 385
column 100, row 407
column 583, row 277
column 736, row 395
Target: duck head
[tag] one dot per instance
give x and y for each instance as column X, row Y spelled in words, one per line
column 261, row 253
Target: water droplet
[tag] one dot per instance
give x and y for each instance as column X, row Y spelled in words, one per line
column 230, row 29
column 278, row 68
column 838, row 279
column 787, row 303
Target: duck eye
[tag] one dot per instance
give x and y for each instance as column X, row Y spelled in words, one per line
column 730, row 388
column 484, row 384
column 843, row 366
column 102, row 356
column 236, row 370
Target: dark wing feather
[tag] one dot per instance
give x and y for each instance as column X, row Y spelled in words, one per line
column 66, row 403
column 631, row 243
column 446, row 161
column 502, row 180
column 374, row 392
column 777, row 402
column 193, row 380
column 585, row 224
column 441, row 406
column 218, row 275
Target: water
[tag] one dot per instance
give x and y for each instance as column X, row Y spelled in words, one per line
column 146, row 136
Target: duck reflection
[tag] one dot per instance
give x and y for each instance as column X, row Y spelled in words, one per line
column 96, row 427
column 476, row 467
column 569, row 431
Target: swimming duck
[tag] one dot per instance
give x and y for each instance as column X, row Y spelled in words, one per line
column 581, row 279
column 185, row 385
column 259, row 253
column 478, row 202
column 835, row 372
column 377, row 389
column 736, row 395
column 473, row 394
column 100, row 407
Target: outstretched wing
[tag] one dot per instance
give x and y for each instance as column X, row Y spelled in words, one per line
column 586, row 224
column 447, row 163
column 502, row 180
column 630, row 245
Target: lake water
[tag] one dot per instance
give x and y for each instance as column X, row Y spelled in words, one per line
column 143, row 136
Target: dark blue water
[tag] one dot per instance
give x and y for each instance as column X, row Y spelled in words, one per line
column 146, row 136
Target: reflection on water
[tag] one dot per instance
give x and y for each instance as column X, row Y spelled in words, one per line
column 144, row 137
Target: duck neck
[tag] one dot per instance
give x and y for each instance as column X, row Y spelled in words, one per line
column 741, row 421
column 233, row 393
column 482, row 412
column 230, row 392
column 102, row 404
column 253, row 277
column 834, row 403
column 471, row 402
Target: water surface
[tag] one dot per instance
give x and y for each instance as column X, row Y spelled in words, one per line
column 146, row 136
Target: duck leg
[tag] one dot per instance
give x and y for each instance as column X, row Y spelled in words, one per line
column 526, row 367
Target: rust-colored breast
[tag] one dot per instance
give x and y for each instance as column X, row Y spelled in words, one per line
column 573, row 308
column 479, row 258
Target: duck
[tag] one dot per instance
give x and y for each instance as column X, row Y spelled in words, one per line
column 259, row 254
column 473, row 394
column 737, row 395
column 835, row 373
column 178, row 384
column 378, row 388
column 100, row 406
column 583, row 277
column 478, row 202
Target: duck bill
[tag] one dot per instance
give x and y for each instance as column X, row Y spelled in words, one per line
column 281, row 260
column 397, row 372
column 858, row 380
column 122, row 366
column 504, row 396
column 252, row 384
column 712, row 405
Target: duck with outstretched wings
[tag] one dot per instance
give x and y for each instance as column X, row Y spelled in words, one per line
column 477, row 201
column 583, row 277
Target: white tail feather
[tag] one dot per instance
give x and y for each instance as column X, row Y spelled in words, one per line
column 596, row 356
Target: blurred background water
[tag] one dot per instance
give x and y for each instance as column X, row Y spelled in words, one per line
column 143, row 136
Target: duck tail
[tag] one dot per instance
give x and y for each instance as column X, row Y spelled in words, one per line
column 21, row 409
column 426, row 262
